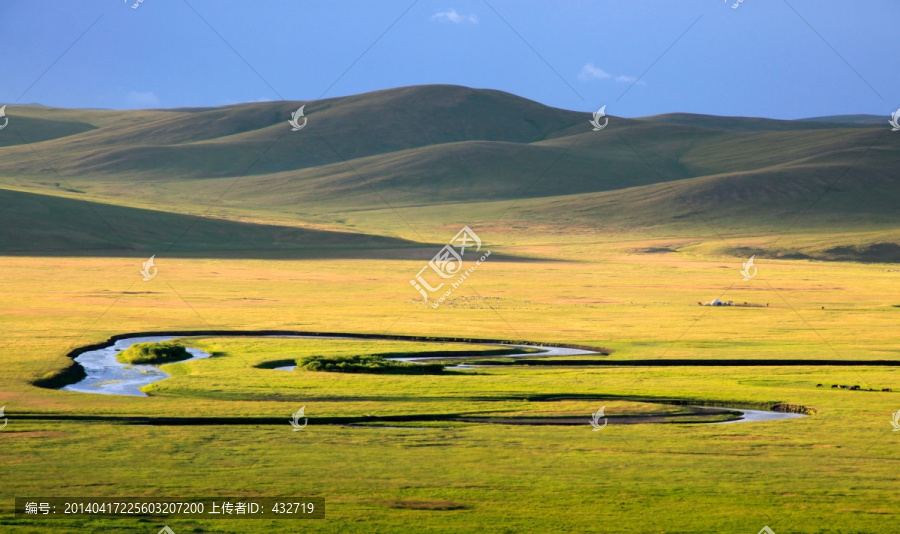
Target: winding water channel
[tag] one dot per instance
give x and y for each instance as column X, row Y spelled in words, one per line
column 108, row 376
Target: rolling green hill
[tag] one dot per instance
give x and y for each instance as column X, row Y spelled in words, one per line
column 476, row 153
column 754, row 124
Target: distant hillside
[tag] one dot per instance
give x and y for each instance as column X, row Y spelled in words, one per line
column 421, row 147
column 850, row 119
column 752, row 124
column 228, row 141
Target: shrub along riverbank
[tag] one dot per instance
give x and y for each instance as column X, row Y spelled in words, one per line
column 366, row 363
column 153, row 353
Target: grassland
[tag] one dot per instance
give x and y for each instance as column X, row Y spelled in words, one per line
column 606, row 241
column 831, row 472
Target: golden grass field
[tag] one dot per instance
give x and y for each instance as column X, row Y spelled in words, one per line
column 834, row 471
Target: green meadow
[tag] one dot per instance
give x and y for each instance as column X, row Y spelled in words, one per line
column 607, row 241
column 450, row 467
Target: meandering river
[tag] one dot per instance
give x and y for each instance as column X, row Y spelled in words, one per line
column 107, row 375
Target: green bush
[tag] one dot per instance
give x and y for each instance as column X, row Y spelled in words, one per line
column 366, row 363
column 163, row 352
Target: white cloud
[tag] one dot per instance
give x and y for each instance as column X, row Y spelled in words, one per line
column 251, row 101
column 137, row 99
column 590, row 72
column 454, row 17
column 629, row 79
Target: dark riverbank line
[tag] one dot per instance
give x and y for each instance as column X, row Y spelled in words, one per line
column 695, row 417
column 694, row 363
column 703, row 413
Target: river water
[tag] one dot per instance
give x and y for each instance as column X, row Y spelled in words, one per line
column 106, row 375
column 109, row 376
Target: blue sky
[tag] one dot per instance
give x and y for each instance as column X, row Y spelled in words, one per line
column 767, row 58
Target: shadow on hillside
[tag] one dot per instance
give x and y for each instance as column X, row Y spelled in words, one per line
column 44, row 225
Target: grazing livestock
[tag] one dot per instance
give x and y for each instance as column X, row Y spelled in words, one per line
column 887, row 390
column 818, row 385
column 854, row 388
